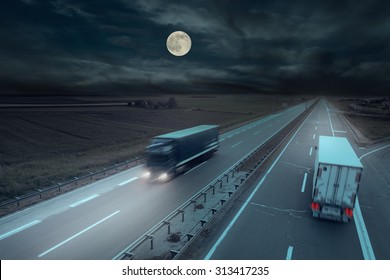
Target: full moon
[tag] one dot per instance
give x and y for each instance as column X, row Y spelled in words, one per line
column 178, row 43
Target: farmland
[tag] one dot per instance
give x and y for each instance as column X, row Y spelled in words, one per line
column 369, row 128
column 41, row 146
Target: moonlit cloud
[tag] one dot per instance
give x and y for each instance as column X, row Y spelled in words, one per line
column 196, row 19
column 68, row 9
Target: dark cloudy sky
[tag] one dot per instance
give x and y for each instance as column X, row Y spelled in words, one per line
column 118, row 46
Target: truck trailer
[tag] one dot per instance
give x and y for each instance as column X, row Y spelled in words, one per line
column 337, row 174
column 170, row 154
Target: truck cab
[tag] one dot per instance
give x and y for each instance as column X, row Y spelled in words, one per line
column 162, row 159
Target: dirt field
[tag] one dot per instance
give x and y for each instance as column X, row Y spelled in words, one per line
column 43, row 146
column 372, row 128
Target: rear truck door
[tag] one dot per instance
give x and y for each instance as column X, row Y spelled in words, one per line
column 321, row 183
column 333, row 172
column 351, row 187
column 341, row 185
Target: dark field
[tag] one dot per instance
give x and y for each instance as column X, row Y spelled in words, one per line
column 372, row 128
column 43, row 146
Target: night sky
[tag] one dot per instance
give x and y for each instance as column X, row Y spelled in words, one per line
column 118, row 47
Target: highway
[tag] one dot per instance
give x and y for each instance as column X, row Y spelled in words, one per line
column 99, row 220
column 275, row 221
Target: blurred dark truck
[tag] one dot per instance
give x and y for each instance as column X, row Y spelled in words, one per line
column 173, row 153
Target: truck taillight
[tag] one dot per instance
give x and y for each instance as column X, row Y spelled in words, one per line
column 349, row 212
column 315, row 206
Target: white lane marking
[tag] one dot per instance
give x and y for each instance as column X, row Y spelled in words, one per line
column 330, row 121
column 361, row 229
column 250, row 126
column 316, row 128
column 60, row 198
column 128, row 181
column 314, row 136
column 77, row 234
column 235, row 145
column 84, row 200
column 195, row 167
column 384, row 147
column 223, row 139
column 257, row 132
column 340, row 131
column 233, row 221
column 304, row 183
column 311, row 151
column 289, row 252
column 19, row 229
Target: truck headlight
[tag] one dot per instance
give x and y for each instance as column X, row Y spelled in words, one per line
column 163, row 177
column 146, row 174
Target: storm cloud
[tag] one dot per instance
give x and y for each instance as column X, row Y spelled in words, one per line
column 118, row 47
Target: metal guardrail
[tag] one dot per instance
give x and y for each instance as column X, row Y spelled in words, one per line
column 181, row 212
column 70, row 184
column 241, row 174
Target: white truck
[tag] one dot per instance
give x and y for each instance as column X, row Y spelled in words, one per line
column 336, row 179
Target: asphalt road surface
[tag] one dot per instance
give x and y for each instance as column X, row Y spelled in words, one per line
column 99, row 220
column 275, row 222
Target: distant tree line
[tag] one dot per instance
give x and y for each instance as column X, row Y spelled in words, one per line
column 150, row 104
